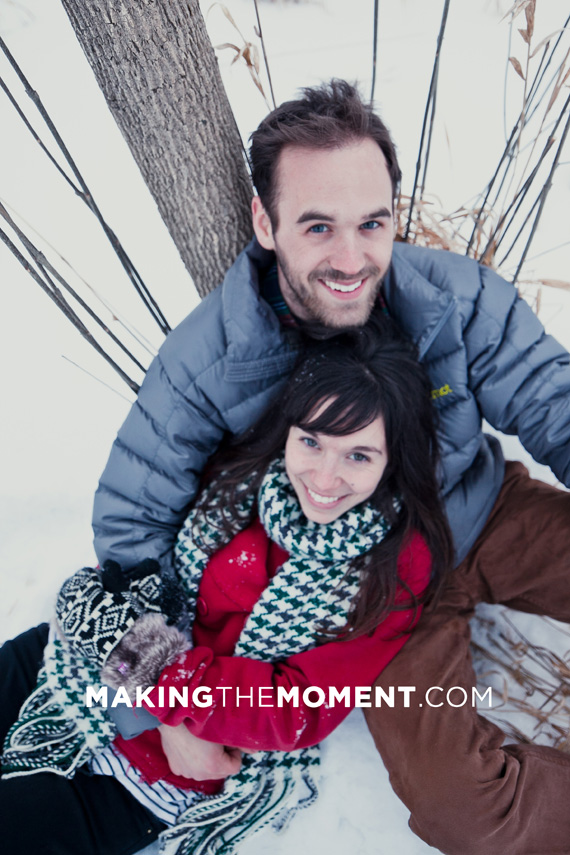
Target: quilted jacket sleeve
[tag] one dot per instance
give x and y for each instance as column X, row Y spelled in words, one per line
column 215, row 373
column 519, row 374
column 161, row 449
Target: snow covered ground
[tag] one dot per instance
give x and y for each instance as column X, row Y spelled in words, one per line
column 58, row 421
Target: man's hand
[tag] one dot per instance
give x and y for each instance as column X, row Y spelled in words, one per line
column 195, row 758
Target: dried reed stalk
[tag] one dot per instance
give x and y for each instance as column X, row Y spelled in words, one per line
column 531, row 680
column 505, row 216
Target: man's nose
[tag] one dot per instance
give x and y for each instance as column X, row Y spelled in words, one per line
column 347, row 255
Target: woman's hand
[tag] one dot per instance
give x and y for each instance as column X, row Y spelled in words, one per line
column 195, row 758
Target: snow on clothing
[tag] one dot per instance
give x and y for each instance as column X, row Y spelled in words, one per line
column 224, row 603
column 484, row 349
column 313, row 587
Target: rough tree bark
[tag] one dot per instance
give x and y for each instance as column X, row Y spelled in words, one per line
column 157, row 69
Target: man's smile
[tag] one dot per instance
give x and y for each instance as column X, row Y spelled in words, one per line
column 334, row 232
column 340, row 288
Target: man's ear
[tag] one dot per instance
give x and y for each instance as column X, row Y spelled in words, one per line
column 262, row 224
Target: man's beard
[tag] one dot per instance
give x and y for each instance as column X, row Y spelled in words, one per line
column 317, row 322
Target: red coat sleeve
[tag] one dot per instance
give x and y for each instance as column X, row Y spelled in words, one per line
column 262, row 724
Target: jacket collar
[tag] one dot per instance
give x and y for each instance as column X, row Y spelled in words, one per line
column 258, row 346
column 419, row 307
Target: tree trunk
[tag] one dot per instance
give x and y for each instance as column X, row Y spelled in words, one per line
column 157, row 69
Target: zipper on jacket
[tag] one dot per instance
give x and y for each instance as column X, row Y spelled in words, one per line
column 437, row 329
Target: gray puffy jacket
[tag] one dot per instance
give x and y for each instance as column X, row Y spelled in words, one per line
column 486, row 353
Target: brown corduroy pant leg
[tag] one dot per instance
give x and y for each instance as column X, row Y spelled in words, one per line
column 467, row 793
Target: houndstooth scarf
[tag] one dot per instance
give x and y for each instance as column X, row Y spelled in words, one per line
column 312, row 591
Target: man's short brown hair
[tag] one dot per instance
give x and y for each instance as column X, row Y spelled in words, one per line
column 328, row 116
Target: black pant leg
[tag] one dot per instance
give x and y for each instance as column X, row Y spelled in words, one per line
column 87, row 815
column 44, row 812
column 20, row 661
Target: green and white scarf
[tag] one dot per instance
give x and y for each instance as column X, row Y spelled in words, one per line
column 312, row 591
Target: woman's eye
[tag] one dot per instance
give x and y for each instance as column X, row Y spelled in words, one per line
column 309, row 442
column 319, row 229
column 359, row 457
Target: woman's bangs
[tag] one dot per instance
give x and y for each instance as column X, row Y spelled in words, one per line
column 342, row 414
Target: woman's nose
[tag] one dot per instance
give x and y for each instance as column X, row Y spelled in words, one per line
column 325, row 476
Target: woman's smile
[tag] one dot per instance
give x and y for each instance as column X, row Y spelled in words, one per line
column 322, row 500
column 332, row 474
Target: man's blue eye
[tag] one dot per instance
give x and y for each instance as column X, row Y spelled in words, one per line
column 371, row 224
column 319, row 229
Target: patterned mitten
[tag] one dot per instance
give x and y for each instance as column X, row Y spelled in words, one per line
column 155, row 593
column 142, row 581
column 92, row 619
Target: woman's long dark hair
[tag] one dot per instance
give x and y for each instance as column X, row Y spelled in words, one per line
column 362, row 375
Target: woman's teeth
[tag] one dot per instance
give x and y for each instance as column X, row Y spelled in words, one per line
column 325, row 500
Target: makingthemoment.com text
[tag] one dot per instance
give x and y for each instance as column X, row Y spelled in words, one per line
column 269, row 696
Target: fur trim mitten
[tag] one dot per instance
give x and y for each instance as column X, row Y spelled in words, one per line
column 95, row 608
column 143, row 653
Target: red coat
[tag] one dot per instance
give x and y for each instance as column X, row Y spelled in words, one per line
column 232, row 583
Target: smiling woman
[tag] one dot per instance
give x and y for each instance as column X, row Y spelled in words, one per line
column 331, row 474
column 355, row 424
column 302, row 567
